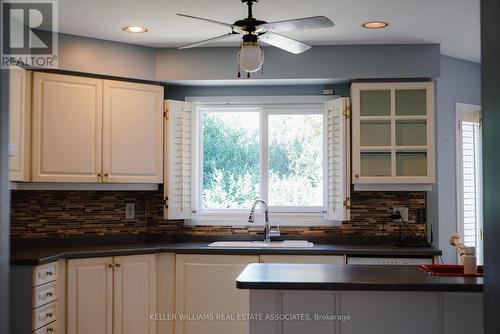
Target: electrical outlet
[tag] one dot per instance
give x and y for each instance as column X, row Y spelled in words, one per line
column 402, row 211
column 129, row 211
column 421, row 216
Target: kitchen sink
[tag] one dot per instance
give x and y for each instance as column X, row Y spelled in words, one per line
column 263, row 244
column 448, row 270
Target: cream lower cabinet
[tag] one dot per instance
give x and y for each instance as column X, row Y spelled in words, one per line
column 38, row 298
column 112, row 295
column 93, row 130
column 206, row 287
column 303, row 259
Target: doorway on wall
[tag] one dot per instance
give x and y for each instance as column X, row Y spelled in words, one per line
column 469, row 169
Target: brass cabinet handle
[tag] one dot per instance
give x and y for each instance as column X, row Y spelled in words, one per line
column 111, row 265
column 118, row 265
column 50, row 330
column 49, row 294
column 106, row 174
column 99, row 174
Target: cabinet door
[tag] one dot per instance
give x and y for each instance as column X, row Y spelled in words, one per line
column 90, row 296
column 206, row 285
column 67, row 125
column 19, row 124
column 382, row 312
column 393, row 133
column 134, row 294
column 132, row 132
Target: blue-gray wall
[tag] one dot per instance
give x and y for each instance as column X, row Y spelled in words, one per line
column 89, row 55
column 320, row 62
column 97, row 56
column 460, row 81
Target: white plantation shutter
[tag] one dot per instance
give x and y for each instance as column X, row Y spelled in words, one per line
column 180, row 166
column 469, row 180
column 337, row 167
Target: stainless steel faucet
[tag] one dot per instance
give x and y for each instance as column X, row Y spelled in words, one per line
column 267, row 229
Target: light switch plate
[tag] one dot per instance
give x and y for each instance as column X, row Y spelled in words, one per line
column 12, row 150
column 129, row 211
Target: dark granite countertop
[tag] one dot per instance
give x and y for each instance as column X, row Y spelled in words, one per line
column 40, row 255
column 350, row 277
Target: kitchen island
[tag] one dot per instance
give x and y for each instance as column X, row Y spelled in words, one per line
column 357, row 299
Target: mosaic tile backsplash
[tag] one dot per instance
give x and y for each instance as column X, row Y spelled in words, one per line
column 55, row 214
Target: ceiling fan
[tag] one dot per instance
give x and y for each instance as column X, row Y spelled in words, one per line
column 251, row 57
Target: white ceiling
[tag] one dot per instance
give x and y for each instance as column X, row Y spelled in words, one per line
column 452, row 23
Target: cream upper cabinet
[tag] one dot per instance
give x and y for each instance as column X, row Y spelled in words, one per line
column 93, row 130
column 206, row 284
column 19, row 124
column 112, row 295
column 90, row 296
column 393, row 133
column 132, row 132
column 67, row 128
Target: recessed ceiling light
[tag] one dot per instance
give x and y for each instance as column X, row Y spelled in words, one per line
column 375, row 25
column 135, row 29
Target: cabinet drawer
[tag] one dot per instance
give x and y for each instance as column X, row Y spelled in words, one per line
column 44, row 315
column 49, row 329
column 44, row 294
column 45, row 273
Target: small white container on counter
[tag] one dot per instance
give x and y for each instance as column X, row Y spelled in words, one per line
column 470, row 261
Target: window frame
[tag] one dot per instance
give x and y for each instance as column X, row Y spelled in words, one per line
column 468, row 113
column 267, row 105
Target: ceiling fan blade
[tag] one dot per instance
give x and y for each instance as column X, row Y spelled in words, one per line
column 285, row 43
column 218, row 38
column 206, row 20
column 297, row 24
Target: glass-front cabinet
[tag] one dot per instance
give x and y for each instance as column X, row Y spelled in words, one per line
column 393, row 133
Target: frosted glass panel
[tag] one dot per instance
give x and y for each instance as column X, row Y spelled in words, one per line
column 375, row 102
column 375, row 133
column 410, row 102
column 376, row 164
column 411, row 163
column 411, row 133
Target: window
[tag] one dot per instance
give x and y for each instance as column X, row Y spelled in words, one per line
column 226, row 152
column 290, row 152
column 230, row 163
column 469, row 177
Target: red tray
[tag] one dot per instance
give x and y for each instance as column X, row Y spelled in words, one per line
column 448, row 270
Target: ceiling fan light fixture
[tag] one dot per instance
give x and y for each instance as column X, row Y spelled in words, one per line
column 250, row 57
